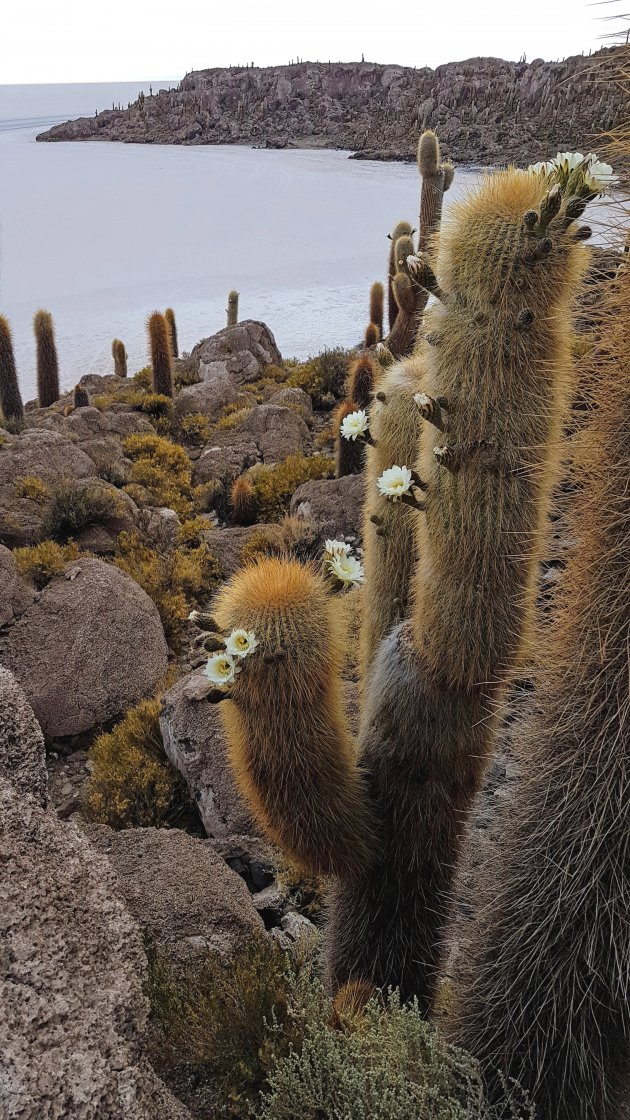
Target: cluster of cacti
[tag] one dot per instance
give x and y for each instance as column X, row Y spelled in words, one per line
column 47, row 362
column 232, row 309
column 464, row 450
column 119, row 354
column 10, row 396
column 161, row 355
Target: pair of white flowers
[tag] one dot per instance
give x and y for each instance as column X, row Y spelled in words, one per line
column 598, row 175
column 342, row 564
column 223, row 666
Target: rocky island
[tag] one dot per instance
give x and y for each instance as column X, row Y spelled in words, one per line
column 486, row 110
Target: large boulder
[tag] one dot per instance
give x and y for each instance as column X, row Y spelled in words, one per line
column 195, row 744
column 297, row 399
column 16, row 594
column 88, row 647
column 99, row 434
column 179, row 890
column 334, row 506
column 210, row 396
column 22, row 751
column 72, row 1008
column 34, row 453
column 227, row 544
column 226, row 455
column 242, row 352
column 277, row 432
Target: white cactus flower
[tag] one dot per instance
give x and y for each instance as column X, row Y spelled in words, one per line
column 347, row 569
column 600, row 175
column 568, row 161
column 395, row 482
column 193, row 616
column 414, row 263
column 337, row 548
column 356, row 424
column 241, row 643
column 221, row 668
column 543, row 167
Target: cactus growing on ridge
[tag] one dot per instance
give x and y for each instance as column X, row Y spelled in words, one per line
column 543, row 980
column 10, row 396
column 436, row 179
column 169, row 315
column 80, row 398
column 232, row 309
column 119, row 354
column 243, row 506
column 47, row 362
column 161, row 361
column 349, row 453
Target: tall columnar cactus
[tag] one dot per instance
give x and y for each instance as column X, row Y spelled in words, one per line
column 436, row 179
column 349, row 453
column 362, row 376
column 410, row 300
column 509, row 263
column 169, row 315
column 232, row 309
column 47, row 362
column 402, row 229
column 80, row 398
column 160, row 348
column 377, row 296
column 389, row 529
column 543, row 995
column 10, row 396
column 119, row 354
column 288, row 742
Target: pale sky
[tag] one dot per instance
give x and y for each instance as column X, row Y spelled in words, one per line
column 128, row 40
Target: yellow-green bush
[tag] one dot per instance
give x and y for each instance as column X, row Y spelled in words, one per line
column 323, row 377
column 194, row 428
column 176, row 579
column 275, row 485
column 292, row 538
column 190, row 532
column 41, row 562
column 131, row 783
column 233, row 415
column 30, row 486
column 163, row 467
column 74, row 506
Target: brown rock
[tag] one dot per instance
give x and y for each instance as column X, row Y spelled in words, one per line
column 278, row 432
column 294, row 398
column 22, row 751
column 45, row 455
column 15, row 594
column 226, row 455
column 227, row 544
column 243, row 351
column 89, row 647
column 333, row 505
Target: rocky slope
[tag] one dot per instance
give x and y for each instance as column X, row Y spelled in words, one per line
column 485, row 110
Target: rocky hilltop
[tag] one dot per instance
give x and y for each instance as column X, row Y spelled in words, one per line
column 485, row 110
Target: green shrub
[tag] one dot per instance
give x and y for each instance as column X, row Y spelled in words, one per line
column 42, row 562
column 292, row 538
column 194, row 428
column 30, row 486
column 131, row 783
column 163, row 467
column 323, row 377
column 74, row 506
column 233, row 415
column 275, row 485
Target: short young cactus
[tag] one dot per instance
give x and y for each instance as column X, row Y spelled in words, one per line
column 80, row 398
column 161, row 361
column 119, row 354
column 47, row 362
column 243, row 506
column 10, row 396
column 402, row 229
column 232, row 309
column 169, row 315
column 349, row 453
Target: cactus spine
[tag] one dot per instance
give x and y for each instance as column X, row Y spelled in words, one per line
column 119, row 354
column 47, row 362
column 299, row 658
column 160, row 347
column 544, row 987
column 10, row 396
column 80, row 397
column 243, row 503
column 377, row 296
column 232, row 309
column 169, row 315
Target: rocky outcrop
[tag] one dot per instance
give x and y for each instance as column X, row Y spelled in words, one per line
column 16, row 595
column 180, row 891
column 44, row 455
column 22, row 751
column 72, row 1009
column 195, row 744
column 334, row 506
column 276, row 431
column 242, row 352
column 87, row 648
column 486, row 110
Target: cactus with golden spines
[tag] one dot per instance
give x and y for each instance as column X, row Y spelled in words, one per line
column 47, row 361
column 169, row 315
column 377, row 296
column 160, row 351
column 10, row 397
column 243, row 505
column 119, row 354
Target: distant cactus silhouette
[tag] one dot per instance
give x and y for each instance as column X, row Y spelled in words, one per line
column 377, row 296
column 47, row 362
column 10, row 396
column 119, row 354
column 81, row 398
column 169, row 315
column 232, row 309
column 160, row 347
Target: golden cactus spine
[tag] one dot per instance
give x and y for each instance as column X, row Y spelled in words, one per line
column 119, row 354
column 509, row 265
column 232, row 309
column 160, row 349
column 377, row 296
column 47, row 361
column 10, row 396
column 284, row 718
column 243, row 505
column 171, row 322
column 542, row 992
